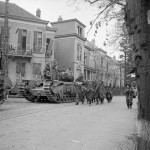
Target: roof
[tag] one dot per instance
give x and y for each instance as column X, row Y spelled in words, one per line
column 16, row 12
column 100, row 49
column 69, row 20
column 50, row 29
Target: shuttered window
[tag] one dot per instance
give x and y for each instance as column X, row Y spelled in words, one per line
column 49, row 46
column 28, row 40
column 37, row 43
column 22, row 41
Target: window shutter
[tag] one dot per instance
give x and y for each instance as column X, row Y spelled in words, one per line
column 1, row 35
column 50, row 47
column 44, row 43
column 35, row 42
column 33, row 68
column 28, row 40
column 19, row 46
column 38, row 69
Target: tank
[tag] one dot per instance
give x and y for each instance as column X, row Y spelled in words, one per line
column 49, row 91
column 56, row 86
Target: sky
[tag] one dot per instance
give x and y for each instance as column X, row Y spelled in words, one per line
column 52, row 9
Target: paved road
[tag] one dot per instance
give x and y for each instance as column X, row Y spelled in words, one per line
column 30, row 126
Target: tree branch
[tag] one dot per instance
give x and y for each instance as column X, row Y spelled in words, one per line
column 119, row 3
column 111, row 3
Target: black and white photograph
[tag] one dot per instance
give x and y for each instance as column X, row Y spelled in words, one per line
column 74, row 74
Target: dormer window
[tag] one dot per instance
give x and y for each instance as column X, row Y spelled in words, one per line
column 79, row 30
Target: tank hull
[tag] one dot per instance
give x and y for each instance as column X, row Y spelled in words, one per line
column 58, row 92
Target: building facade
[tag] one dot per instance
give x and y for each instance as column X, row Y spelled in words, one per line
column 89, row 62
column 69, row 45
column 114, row 73
column 30, row 43
column 100, row 64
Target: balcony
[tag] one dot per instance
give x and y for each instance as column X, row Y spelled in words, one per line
column 20, row 53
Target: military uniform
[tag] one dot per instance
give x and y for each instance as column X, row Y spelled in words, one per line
column 78, row 91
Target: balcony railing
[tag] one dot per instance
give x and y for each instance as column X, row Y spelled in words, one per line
column 20, row 53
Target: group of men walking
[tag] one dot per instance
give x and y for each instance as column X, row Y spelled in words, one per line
column 92, row 91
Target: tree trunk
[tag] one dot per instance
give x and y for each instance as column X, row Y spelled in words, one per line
column 139, row 30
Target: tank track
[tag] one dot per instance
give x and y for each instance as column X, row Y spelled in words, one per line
column 27, row 94
column 50, row 96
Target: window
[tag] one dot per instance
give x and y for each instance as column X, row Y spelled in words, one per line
column 22, row 40
column 20, row 68
column 86, row 58
column 36, row 70
column 102, row 61
column 37, row 44
column 49, row 46
column 79, row 52
column 79, row 30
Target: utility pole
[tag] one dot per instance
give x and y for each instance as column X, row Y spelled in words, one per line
column 4, row 56
column 5, row 41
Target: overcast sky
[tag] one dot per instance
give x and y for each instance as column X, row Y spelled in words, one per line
column 52, row 9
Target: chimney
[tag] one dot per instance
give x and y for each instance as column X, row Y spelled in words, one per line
column 38, row 13
column 60, row 18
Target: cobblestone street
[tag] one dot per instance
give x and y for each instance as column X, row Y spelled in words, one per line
column 31, row 126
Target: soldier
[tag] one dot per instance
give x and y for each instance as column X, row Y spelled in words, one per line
column 78, row 86
column 78, row 92
column 100, row 91
column 90, row 92
column 109, row 92
column 47, row 72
